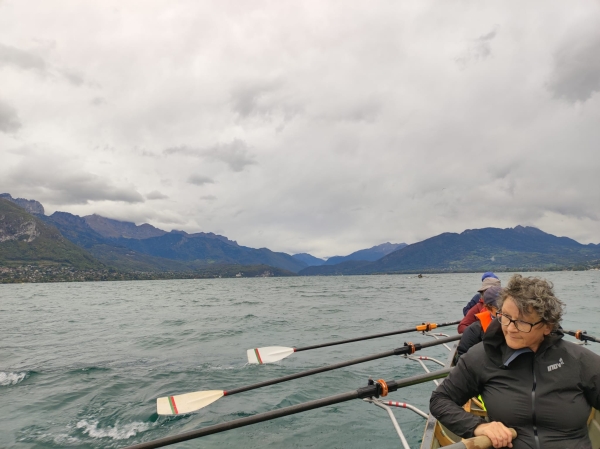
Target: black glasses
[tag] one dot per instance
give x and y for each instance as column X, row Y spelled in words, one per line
column 522, row 326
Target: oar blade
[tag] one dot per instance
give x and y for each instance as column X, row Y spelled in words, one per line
column 187, row 403
column 269, row 354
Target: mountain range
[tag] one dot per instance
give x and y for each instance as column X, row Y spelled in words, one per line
column 519, row 248
column 126, row 246
column 369, row 254
column 24, row 239
column 93, row 241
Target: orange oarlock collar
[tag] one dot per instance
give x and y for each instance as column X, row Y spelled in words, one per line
column 578, row 335
column 412, row 347
column 384, row 387
column 426, row 327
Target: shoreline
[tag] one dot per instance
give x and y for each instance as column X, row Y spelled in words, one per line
column 27, row 274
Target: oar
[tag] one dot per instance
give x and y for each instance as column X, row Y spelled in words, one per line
column 364, row 392
column 582, row 335
column 270, row 354
column 190, row 402
column 481, row 442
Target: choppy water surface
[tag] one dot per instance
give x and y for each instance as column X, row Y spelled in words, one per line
column 81, row 364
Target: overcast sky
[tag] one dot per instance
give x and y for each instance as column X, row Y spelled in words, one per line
column 306, row 126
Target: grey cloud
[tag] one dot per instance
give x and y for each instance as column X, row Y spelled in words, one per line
column 479, row 49
column 21, row 58
column 576, row 74
column 500, row 170
column 77, row 79
column 208, row 197
column 183, row 149
column 199, row 180
column 69, row 186
column 98, row 101
column 235, row 154
column 366, row 111
column 74, row 78
column 156, row 195
column 9, row 120
column 263, row 99
column 28, row 60
column 247, row 98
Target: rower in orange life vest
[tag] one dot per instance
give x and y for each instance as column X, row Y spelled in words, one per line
column 474, row 333
column 489, row 281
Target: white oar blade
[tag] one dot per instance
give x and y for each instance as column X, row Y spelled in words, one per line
column 269, row 354
column 187, row 403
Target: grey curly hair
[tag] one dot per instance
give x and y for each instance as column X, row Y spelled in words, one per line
column 533, row 294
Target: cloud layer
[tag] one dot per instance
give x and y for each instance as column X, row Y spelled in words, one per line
column 306, row 126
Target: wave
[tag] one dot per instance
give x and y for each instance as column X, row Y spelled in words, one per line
column 88, row 370
column 7, row 379
column 118, row 432
column 173, row 322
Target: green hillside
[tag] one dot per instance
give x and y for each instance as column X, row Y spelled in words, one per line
column 25, row 239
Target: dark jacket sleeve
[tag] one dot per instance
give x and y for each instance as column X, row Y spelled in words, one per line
column 474, row 300
column 471, row 336
column 447, row 400
column 470, row 318
column 590, row 378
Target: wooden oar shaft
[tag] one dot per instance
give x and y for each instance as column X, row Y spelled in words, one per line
column 369, row 337
column 365, row 392
column 480, row 442
column 398, row 351
column 581, row 335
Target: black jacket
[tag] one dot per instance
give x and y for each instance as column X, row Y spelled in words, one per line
column 470, row 337
column 545, row 396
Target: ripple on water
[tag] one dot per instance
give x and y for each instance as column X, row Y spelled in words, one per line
column 8, row 379
column 117, row 432
column 89, row 370
column 173, row 322
column 155, row 342
column 208, row 336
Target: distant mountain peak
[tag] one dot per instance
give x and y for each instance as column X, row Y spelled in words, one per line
column 110, row 228
column 308, row 259
column 522, row 248
column 370, row 254
column 26, row 238
column 31, row 206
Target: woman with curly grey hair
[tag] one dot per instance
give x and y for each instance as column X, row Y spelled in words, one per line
column 529, row 377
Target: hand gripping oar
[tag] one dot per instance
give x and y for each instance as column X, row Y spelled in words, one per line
column 270, row 354
column 190, row 402
column 481, row 442
column 582, row 335
column 365, row 392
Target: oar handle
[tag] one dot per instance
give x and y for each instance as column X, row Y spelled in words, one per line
column 582, row 335
column 480, row 442
column 361, row 393
column 398, row 351
column 421, row 328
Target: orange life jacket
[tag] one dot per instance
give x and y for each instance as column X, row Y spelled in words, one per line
column 485, row 318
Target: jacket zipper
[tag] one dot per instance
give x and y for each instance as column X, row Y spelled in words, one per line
column 535, row 432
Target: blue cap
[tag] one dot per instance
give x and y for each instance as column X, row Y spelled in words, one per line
column 488, row 274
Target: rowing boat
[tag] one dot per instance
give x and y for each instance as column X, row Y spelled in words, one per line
column 435, row 434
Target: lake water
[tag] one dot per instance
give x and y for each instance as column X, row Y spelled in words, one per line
column 81, row 364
